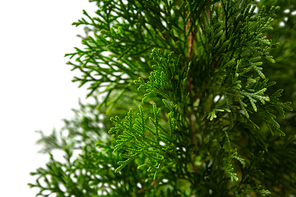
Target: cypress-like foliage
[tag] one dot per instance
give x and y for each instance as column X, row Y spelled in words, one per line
column 191, row 102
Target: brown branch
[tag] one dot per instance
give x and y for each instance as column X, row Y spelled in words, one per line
column 191, row 38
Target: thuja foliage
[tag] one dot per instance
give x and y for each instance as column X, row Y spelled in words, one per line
column 187, row 102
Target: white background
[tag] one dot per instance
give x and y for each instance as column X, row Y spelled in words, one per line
column 36, row 91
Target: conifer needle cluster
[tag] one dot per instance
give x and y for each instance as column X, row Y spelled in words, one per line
column 187, row 102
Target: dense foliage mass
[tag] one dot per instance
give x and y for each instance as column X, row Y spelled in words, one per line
column 193, row 102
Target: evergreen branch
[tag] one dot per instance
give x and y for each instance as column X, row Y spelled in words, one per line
column 209, row 71
column 135, row 140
